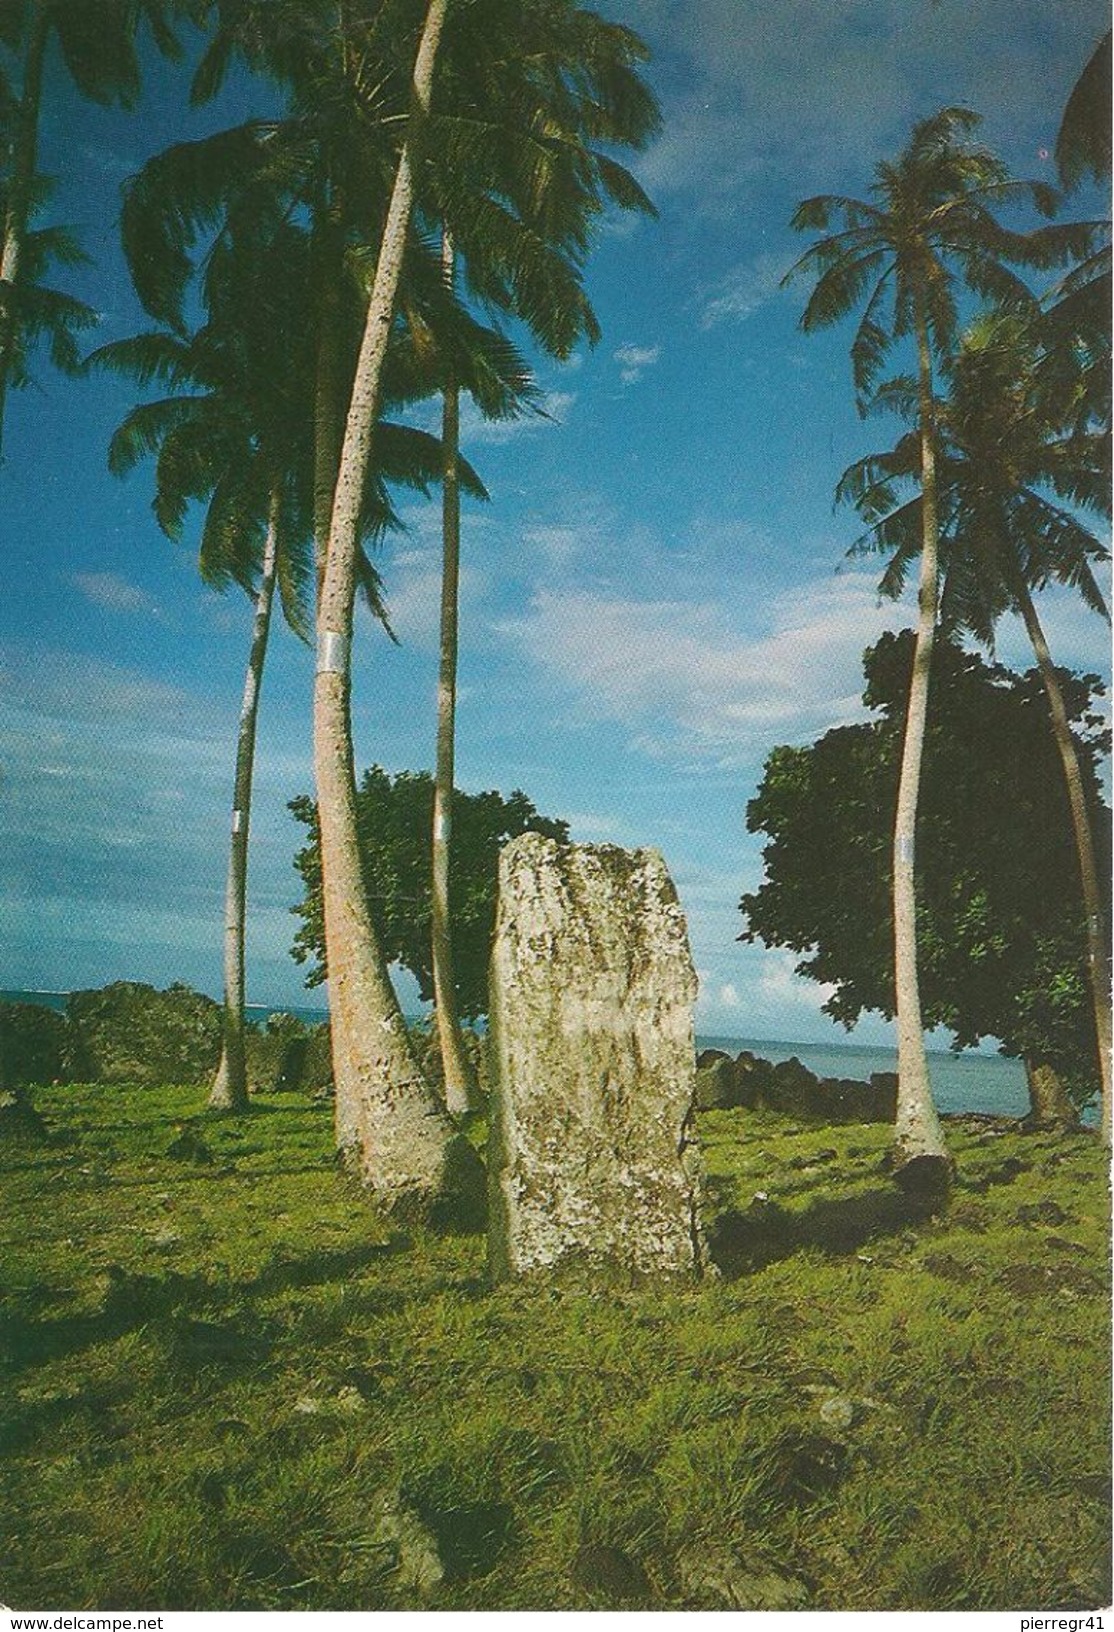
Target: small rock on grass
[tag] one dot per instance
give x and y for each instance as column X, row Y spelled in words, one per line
column 838, row 1411
column 410, row 1549
column 717, row 1576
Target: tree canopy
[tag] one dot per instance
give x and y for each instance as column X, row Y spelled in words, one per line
column 999, row 916
column 394, row 814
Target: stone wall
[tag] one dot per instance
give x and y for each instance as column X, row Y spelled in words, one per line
column 723, row 1083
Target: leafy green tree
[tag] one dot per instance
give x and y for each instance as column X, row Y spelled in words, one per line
column 1022, row 485
column 903, row 258
column 1000, row 916
column 393, row 816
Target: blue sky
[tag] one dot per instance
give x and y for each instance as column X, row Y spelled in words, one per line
column 654, row 597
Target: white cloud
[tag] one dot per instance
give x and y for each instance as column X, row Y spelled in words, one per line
column 113, row 593
column 58, row 685
column 1077, row 637
column 476, row 431
column 781, row 988
column 822, row 91
column 740, row 292
column 114, row 801
column 692, row 682
column 413, row 574
column 559, row 405
column 634, row 361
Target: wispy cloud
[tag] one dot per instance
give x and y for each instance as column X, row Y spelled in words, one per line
column 413, row 574
column 476, row 431
column 742, row 291
column 692, row 682
column 66, row 686
column 634, row 361
column 781, row 988
column 112, row 593
column 114, row 798
column 822, row 91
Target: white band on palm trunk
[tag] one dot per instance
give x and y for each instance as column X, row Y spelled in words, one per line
column 332, row 652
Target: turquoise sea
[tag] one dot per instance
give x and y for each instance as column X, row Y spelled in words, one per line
column 961, row 1082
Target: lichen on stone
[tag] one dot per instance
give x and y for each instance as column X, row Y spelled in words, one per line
column 592, row 986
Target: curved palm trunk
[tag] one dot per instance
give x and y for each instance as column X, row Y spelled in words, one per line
column 385, row 1110
column 460, row 1084
column 230, row 1089
column 918, row 1135
column 1098, row 963
column 21, row 177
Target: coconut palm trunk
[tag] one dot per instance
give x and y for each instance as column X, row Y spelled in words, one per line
column 1098, row 962
column 21, row 178
column 460, row 1084
column 917, row 1133
column 386, row 1114
column 230, row 1087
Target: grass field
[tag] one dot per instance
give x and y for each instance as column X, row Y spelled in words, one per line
column 229, row 1384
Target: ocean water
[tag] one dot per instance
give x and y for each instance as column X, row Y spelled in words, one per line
column 960, row 1082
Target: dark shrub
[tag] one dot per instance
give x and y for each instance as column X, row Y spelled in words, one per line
column 34, row 1044
column 278, row 1054
column 317, row 1068
column 129, row 1032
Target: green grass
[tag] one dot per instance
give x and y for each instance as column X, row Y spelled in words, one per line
column 215, row 1372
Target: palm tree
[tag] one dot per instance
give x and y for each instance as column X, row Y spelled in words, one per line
column 524, row 242
column 1077, row 320
column 237, row 434
column 33, row 314
column 1083, row 141
column 903, row 257
column 97, row 42
column 370, row 1057
column 404, row 1138
column 460, row 1082
column 332, row 158
column 1017, row 481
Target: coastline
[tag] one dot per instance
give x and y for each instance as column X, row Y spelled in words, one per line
column 968, row 1082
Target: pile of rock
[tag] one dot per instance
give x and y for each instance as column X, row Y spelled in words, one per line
column 722, row 1083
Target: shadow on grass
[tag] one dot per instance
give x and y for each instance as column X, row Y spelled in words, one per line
column 236, row 1336
column 766, row 1233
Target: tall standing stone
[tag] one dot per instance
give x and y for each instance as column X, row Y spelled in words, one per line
column 592, row 990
